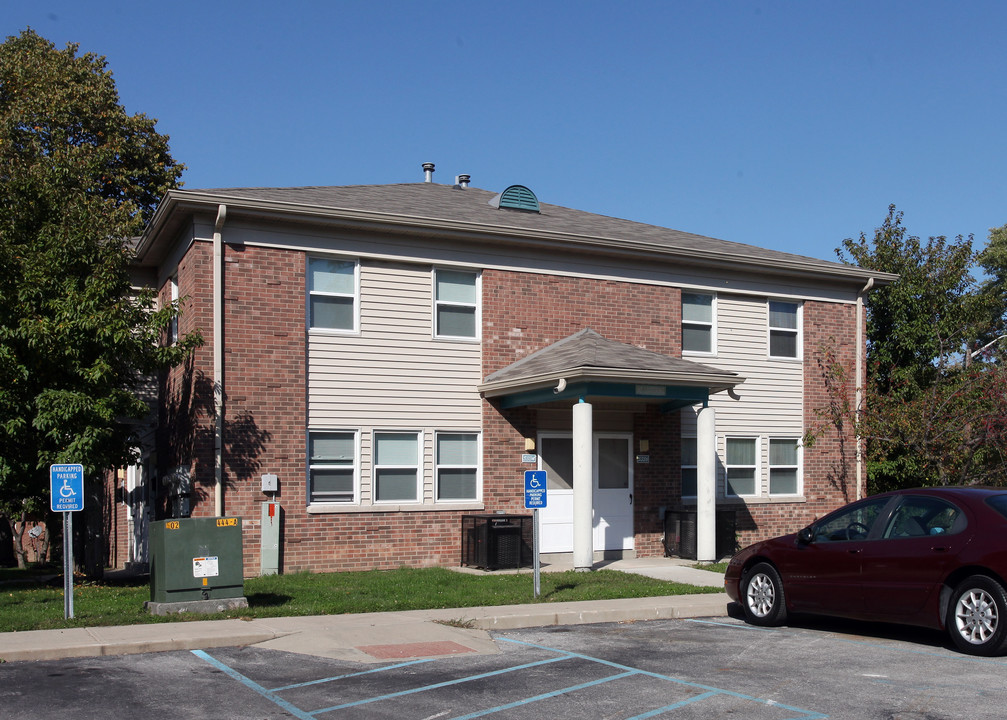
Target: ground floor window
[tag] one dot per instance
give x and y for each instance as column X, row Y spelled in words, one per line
column 332, row 466
column 784, row 466
column 396, row 466
column 457, row 458
column 742, row 465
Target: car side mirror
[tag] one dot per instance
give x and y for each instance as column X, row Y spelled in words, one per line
column 805, row 536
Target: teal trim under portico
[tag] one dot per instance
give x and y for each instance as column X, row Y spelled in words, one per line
column 670, row 397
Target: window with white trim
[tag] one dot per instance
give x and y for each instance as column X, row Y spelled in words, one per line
column 173, row 328
column 742, row 466
column 784, row 466
column 689, row 455
column 396, row 473
column 332, row 466
column 456, row 304
column 698, row 327
column 332, row 294
column 457, row 466
column 784, row 329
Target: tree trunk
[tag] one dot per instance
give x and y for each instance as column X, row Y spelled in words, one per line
column 18, row 532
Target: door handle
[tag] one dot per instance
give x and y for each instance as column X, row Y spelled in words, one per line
column 939, row 548
column 631, row 498
column 855, row 551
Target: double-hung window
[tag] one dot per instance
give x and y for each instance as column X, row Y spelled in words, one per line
column 173, row 328
column 784, row 329
column 698, row 329
column 332, row 294
column 689, row 467
column 332, row 462
column 784, row 466
column 456, row 304
column 742, row 465
column 396, row 467
column 457, row 459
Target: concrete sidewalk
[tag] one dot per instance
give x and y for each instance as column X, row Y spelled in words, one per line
column 378, row 637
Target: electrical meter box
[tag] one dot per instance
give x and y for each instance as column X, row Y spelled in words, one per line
column 194, row 559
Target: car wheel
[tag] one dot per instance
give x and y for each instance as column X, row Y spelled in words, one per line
column 977, row 616
column 762, row 596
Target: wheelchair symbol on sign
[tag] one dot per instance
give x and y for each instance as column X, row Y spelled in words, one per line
column 66, row 491
column 534, row 483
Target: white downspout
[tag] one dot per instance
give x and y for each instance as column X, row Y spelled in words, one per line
column 860, row 385
column 218, row 362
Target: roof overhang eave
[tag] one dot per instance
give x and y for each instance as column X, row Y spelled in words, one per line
column 714, row 382
column 166, row 216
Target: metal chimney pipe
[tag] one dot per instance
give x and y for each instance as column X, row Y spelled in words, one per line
column 428, row 170
column 463, row 180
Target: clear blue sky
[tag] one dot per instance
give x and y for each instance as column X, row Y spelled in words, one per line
column 789, row 125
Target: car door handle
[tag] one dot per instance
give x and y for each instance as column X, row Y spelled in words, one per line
column 855, row 551
column 940, row 548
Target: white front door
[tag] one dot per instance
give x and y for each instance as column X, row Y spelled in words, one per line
column 613, row 492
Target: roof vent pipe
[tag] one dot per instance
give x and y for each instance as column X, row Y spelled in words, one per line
column 428, row 172
column 462, row 181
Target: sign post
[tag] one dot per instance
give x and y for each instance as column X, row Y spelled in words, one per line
column 66, row 482
column 535, row 497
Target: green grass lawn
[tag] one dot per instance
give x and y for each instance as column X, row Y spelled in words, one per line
column 27, row 604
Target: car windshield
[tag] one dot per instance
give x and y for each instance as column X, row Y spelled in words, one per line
column 998, row 503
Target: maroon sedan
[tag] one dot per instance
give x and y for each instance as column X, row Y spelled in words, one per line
column 933, row 557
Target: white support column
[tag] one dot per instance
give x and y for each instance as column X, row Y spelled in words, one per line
column 706, row 485
column 583, row 486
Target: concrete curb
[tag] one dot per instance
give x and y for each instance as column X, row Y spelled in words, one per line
column 340, row 635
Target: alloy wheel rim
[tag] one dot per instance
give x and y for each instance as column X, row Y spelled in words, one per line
column 761, row 595
column 976, row 616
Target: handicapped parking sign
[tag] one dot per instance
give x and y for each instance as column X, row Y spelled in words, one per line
column 67, row 484
column 535, row 495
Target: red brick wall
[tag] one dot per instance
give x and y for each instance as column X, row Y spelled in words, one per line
column 524, row 312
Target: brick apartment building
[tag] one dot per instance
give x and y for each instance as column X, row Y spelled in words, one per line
column 397, row 356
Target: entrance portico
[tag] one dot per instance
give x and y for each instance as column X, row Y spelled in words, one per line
column 586, row 370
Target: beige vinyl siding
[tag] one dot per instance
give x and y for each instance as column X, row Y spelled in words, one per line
column 393, row 375
column 772, row 396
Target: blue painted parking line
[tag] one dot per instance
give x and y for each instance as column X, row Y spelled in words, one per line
column 543, row 696
column 711, row 691
column 446, row 683
column 352, row 675
column 251, row 684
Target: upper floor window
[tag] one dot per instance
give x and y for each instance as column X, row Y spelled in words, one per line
column 173, row 328
column 742, row 466
column 332, row 462
column 784, row 466
column 784, row 333
column 332, row 294
column 697, row 323
column 456, row 304
column 396, row 467
column 457, row 466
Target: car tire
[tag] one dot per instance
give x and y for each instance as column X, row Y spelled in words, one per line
column 762, row 596
column 977, row 616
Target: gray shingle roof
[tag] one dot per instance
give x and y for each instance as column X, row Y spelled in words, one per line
column 437, row 202
column 586, row 353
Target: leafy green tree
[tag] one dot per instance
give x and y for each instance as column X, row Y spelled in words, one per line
column 931, row 415
column 79, row 177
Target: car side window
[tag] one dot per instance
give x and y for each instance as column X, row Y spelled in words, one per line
column 923, row 517
column 852, row 523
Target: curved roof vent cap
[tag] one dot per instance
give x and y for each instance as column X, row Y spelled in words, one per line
column 516, row 197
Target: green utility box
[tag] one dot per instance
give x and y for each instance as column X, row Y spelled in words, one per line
column 196, row 559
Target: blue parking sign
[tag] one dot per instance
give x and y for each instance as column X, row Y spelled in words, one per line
column 535, row 495
column 67, row 483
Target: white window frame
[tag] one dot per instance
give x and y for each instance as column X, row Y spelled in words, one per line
column 438, row 466
column 756, row 473
column 417, row 467
column 173, row 328
column 354, row 296
column 712, row 325
column 797, row 332
column 476, row 306
column 684, row 466
column 799, row 467
column 355, row 466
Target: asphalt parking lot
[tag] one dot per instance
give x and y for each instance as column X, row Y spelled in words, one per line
column 695, row 668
